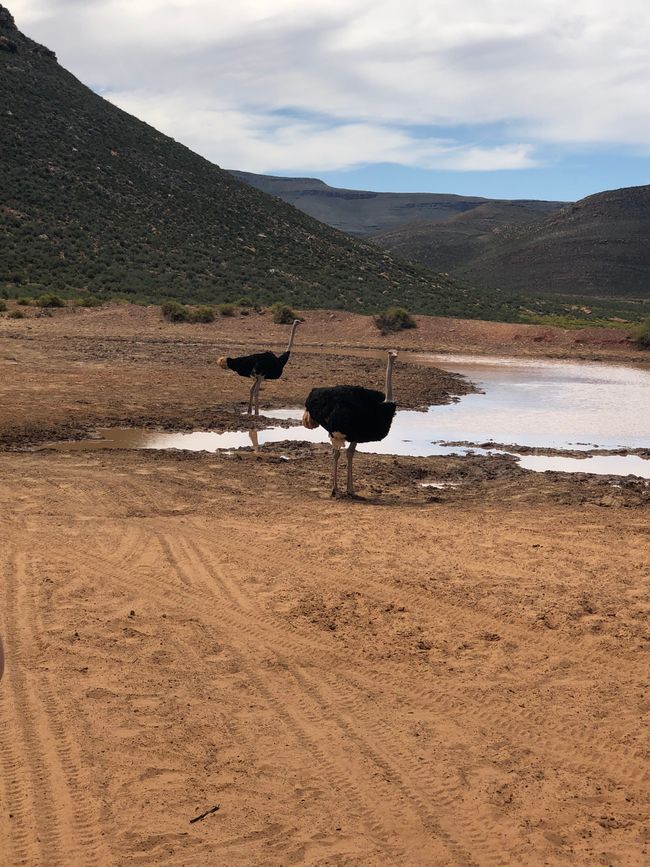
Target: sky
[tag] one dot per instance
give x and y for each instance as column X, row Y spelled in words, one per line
column 543, row 99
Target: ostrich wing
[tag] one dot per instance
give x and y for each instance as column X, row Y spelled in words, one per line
column 253, row 365
column 359, row 413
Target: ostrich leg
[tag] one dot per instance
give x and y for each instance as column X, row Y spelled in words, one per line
column 351, row 450
column 254, row 396
column 338, row 441
column 260, row 380
column 250, row 398
column 337, row 454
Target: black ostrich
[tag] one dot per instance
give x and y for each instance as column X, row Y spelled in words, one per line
column 353, row 414
column 259, row 366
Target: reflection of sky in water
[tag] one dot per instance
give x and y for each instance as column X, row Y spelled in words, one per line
column 534, row 403
column 547, row 403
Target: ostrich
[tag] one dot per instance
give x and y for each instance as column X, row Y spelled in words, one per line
column 259, row 366
column 353, row 414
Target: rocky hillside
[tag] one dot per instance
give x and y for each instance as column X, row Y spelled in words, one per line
column 594, row 247
column 597, row 246
column 445, row 246
column 94, row 199
column 365, row 213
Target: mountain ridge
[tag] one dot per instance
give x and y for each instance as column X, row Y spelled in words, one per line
column 363, row 213
column 95, row 199
column 596, row 247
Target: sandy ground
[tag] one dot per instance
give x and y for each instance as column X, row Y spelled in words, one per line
column 422, row 677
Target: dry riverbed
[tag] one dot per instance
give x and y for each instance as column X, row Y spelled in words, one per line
column 428, row 676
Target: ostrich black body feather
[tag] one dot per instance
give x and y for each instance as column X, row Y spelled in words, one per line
column 361, row 414
column 265, row 364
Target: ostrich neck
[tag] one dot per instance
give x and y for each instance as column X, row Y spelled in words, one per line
column 389, row 379
column 293, row 331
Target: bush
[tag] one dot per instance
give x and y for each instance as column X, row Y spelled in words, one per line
column 50, row 300
column 3, row 306
column 25, row 301
column 641, row 334
column 88, row 301
column 227, row 309
column 175, row 312
column 16, row 314
column 245, row 302
column 203, row 314
column 394, row 319
column 282, row 313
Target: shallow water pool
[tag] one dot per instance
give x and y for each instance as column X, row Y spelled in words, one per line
column 533, row 403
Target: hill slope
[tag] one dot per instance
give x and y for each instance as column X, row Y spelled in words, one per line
column 364, row 213
column 594, row 247
column 94, row 198
column 597, row 246
column 445, row 246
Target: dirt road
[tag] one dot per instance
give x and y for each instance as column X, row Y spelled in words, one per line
column 423, row 677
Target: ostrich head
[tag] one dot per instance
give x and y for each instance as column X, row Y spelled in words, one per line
column 223, row 362
column 308, row 421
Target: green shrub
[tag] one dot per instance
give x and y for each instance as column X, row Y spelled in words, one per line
column 49, row 299
column 394, row 319
column 245, row 302
column 16, row 314
column 203, row 314
column 88, row 301
column 175, row 312
column 25, row 301
column 227, row 309
column 3, row 306
column 641, row 334
column 282, row 313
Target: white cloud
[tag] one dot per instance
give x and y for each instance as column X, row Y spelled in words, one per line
column 263, row 142
column 326, row 84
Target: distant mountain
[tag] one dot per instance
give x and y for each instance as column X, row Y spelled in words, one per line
column 450, row 245
column 595, row 247
column 93, row 199
column 365, row 213
column 598, row 246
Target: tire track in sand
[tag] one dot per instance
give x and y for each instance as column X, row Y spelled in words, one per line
column 512, row 721
column 518, row 721
column 327, row 724
column 47, row 793
column 274, row 690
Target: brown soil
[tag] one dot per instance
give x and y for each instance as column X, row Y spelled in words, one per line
column 421, row 677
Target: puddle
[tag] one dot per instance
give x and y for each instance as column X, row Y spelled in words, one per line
column 576, row 406
column 607, row 465
column 407, row 437
column 547, row 403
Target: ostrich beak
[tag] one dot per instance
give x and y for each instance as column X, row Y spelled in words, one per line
column 222, row 361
